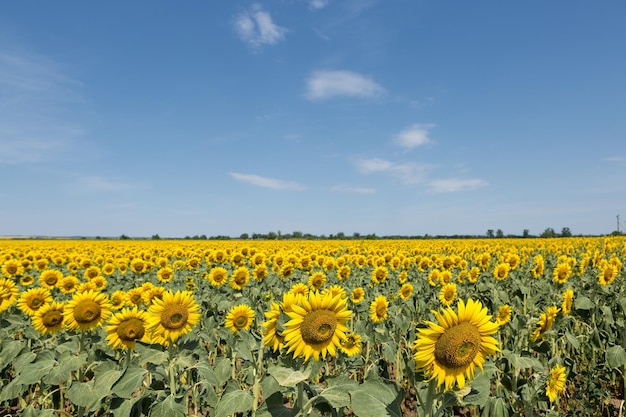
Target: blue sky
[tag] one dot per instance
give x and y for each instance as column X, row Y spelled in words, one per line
column 392, row 117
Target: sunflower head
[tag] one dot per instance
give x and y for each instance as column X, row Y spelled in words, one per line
column 451, row 349
column 239, row 318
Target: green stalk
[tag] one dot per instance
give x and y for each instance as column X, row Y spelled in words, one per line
column 172, row 368
column 81, row 375
column 258, row 375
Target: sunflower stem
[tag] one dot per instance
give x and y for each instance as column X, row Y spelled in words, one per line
column 172, row 368
column 430, row 398
column 258, row 375
column 300, row 399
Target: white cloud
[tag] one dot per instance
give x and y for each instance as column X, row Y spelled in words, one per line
column 255, row 26
column 352, row 190
column 451, row 185
column 413, row 136
column 265, row 182
column 318, row 4
column 406, row 172
column 329, row 84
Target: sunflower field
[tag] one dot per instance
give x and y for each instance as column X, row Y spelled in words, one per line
column 485, row 327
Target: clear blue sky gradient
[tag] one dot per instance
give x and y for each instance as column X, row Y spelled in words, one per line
column 392, row 117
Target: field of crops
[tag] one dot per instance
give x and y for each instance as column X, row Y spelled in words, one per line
column 495, row 327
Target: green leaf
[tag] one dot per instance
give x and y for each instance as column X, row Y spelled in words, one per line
column 222, row 370
column 66, row 364
column 84, row 394
column 572, row 340
column 288, row 377
column 122, row 407
column 479, row 391
column 206, row 372
column 36, row 371
column 377, row 398
column 168, row 408
column 150, row 354
column 131, row 381
column 10, row 350
column 11, row 390
column 615, row 356
column 274, row 407
column 234, row 401
column 30, row 411
column 336, row 396
column 583, row 303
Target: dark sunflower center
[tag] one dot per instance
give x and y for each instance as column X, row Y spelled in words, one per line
column 36, row 302
column 11, row 269
column 318, row 326
column 52, row 318
column 240, row 322
column 381, row 309
column 131, row 329
column 349, row 342
column 174, row 316
column 458, row 345
column 51, row 280
column 87, row 311
column 240, row 279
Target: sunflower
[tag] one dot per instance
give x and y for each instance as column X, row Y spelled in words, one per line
column 300, row 288
column 473, row 274
column 99, row 283
column 126, row 327
column 49, row 318
column 260, row 272
column 335, row 290
column 91, row 272
column 86, row 311
column 378, row 309
column 501, row 271
column 317, row 280
column 12, row 268
column 503, row 316
column 405, row 291
column 8, row 294
column 135, row 296
column 271, row 333
column 165, row 274
column 27, row 280
column 448, row 294
column 446, row 277
column 357, row 295
column 138, row 266
column 568, row 298
column 343, row 272
column 33, row 299
column 433, row 277
column 152, row 293
column 68, row 284
column 317, row 326
column 538, row 267
column 118, row 299
column 239, row 317
column 607, row 275
column 351, row 344
column 286, row 271
column 556, row 382
column 451, row 349
column 545, row 322
column 379, row 274
column 49, row 278
column 173, row 316
column 108, row 269
column 239, row 278
column 402, row 277
column 561, row 273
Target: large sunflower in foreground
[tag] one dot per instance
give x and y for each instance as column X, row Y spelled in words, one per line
column 49, row 318
column 451, row 349
column 172, row 316
column 317, row 325
column 87, row 310
column 126, row 327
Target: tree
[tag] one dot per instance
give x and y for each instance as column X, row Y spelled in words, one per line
column 549, row 232
column 526, row 233
column 499, row 233
column 244, row 236
column 490, row 233
column 156, row 237
column 565, row 232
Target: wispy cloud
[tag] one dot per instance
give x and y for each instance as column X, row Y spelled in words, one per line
column 451, row 185
column 256, row 27
column 352, row 190
column 616, row 158
column 38, row 108
column 100, row 184
column 323, row 85
column 318, row 4
column 407, row 172
column 265, row 182
column 414, row 136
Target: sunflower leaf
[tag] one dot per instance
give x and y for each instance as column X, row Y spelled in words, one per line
column 168, row 408
column 615, row 356
column 129, row 382
column 288, row 377
column 234, row 401
column 377, row 398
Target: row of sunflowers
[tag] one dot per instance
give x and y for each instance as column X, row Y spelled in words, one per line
column 496, row 327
